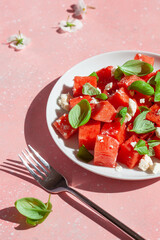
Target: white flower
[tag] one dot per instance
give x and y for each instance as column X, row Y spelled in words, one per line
column 80, row 8
column 18, row 41
column 70, row 26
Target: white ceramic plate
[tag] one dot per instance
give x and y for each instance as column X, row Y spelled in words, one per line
column 65, row 84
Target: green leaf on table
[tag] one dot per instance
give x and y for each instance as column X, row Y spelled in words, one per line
column 34, row 222
column 157, row 88
column 32, row 208
column 102, row 96
column 133, row 67
column 142, row 87
column 94, row 74
column 143, row 108
column 80, row 114
column 84, row 154
column 141, row 147
column 140, row 125
column 88, row 89
column 122, row 114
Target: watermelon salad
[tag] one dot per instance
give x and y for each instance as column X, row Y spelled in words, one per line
column 115, row 113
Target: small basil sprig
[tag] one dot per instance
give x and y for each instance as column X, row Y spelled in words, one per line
column 33, row 209
column 80, row 114
column 140, row 125
column 102, row 96
column 141, row 147
column 84, row 154
column 122, row 114
column 133, row 67
column 94, row 74
column 157, row 88
column 143, row 108
column 142, row 87
column 152, row 144
column 88, row 89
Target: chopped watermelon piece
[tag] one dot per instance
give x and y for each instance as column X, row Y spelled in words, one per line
column 104, row 112
column 80, row 81
column 154, row 114
column 119, row 98
column 127, row 155
column 106, row 150
column 144, row 58
column 148, row 76
column 143, row 100
column 157, row 148
column 128, row 80
column 115, row 130
column 74, row 101
column 88, row 134
column 63, row 126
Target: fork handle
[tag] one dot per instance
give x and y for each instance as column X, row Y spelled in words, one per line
column 105, row 214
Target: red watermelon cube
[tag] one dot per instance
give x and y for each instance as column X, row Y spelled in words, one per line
column 63, row 126
column 74, row 101
column 127, row 155
column 119, row 98
column 154, row 114
column 115, row 130
column 104, row 112
column 144, row 58
column 88, row 134
column 105, row 151
column 80, row 81
column 128, row 80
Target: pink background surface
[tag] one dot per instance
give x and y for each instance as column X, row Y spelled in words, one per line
column 27, row 78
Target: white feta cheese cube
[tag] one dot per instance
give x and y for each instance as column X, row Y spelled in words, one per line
column 157, row 132
column 142, row 100
column 145, row 163
column 133, row 144
column 158, row 112
column 155, row 168
column 112, row 71
column 132, row 107
column 94, row 100
column 127, row 118
column 64, row 101
column 108, row 86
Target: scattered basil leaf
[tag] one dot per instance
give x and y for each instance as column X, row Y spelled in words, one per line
column 136, row 67
column 102, row 96
column 143, row 108
column 84, row 154
column 153, row 143
column 141, row 147
column 142, row 87
column 80, row 114
column 35, row 222
column 151, row 81
column 157, row 88
column 94, row 74
column 140, row 125
column 31, row 208
column 122, row 114
column 151, row 152
column 118, row 73
column 88, row 89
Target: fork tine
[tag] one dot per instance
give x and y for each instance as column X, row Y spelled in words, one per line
column 46, row 164
column 38, row 179
column 38, row 156
column 33, row 164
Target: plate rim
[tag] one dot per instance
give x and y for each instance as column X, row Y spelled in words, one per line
column 78, row 162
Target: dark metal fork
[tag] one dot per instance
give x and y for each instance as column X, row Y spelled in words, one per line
column 54, row 182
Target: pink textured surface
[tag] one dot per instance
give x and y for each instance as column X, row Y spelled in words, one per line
column 27, row 78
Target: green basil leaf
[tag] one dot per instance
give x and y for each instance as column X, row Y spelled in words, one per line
column 88, row 89
column 143, row 108
column 122, row 114
column 142, row 87
column 157, row 88
column 35, row 222
column 31, row 208
column 94, row 74
column 136, row 67
column 140, row 125
column 151, row 81
column 141, row 147
column 80, row 114
column 102, row 96
column 84, row 154
column 153, row 143
column 151, row 152
column 118, row 73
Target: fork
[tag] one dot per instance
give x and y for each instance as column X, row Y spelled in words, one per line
column 54, row 182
